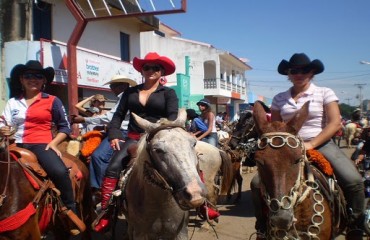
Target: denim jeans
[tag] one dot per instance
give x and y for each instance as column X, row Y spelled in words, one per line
column 211, row 139
column 100, row 160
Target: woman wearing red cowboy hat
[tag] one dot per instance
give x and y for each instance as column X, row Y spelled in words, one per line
column 151, row 101
column 317, row 131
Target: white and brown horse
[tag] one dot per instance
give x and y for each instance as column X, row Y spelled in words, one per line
column 164, row 183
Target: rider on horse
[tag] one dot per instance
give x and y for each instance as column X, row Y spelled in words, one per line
column 149, row 100
column 317, row 130
column 33, row 113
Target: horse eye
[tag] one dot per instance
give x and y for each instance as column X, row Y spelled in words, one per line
column 297, row 160
column 158, row 150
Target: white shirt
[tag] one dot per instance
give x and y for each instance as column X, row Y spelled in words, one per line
column 107, row 117
column 316, row 120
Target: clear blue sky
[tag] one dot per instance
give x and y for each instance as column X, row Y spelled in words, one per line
column 335, row 31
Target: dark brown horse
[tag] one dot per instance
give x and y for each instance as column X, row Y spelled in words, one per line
column 23, row 206
column 240, row 147
column 301, row 202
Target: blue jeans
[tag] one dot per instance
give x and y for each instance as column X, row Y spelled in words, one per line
column 100, row 160
column 211, row 139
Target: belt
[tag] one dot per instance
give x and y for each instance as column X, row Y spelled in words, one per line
column 134, row 135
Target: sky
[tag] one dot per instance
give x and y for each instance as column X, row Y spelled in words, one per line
column 337, row 32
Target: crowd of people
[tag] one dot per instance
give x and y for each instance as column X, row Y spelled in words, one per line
column 33, row 112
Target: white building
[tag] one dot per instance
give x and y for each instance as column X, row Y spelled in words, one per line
column 108, row 46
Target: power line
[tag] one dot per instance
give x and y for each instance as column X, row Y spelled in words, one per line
column 360, row 86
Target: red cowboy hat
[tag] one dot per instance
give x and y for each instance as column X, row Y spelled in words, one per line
column 154, row 58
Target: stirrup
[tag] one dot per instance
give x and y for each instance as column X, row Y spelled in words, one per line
column 98, row 218
column 76, row 222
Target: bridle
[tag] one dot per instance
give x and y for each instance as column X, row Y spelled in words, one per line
column 300, row 190
column 247, row 130
column 151, row 174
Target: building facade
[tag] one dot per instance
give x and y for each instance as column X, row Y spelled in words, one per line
column 107, row 47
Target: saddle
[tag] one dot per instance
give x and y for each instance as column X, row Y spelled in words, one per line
column 39, row 180
column 29, row 160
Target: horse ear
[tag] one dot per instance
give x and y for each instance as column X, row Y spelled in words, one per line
column 297, row 121
column 181, row 117
column 259, row 115
column 144, row 124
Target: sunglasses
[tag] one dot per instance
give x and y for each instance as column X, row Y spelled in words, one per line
column 295, row 71
column 155, row 68
column 37, row 76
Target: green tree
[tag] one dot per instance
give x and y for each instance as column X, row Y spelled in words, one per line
column 346, row 110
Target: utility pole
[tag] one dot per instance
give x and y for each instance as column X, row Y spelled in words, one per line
column 360, row 86
column 348, row 99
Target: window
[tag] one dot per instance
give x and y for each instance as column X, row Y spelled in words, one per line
column 41, row 20
column 125, row 47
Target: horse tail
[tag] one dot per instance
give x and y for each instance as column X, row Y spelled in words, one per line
column 227, row 172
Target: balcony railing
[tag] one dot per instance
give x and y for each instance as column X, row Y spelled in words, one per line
column 214, row 83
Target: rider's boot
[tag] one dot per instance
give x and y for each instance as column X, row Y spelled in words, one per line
column 108, row 186
column 356, row 212
column 205, row 210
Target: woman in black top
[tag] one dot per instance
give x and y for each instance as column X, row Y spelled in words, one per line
column 151, row 101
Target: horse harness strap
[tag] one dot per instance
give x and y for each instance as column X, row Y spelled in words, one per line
column 3, row 194
column 151, row 134
column 300, row 191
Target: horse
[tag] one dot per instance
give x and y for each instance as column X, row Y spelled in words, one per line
column 163, row 183
column 238, row 147
column 29, row 201
column 301, row 202
column 350, row 132
column 214, row 163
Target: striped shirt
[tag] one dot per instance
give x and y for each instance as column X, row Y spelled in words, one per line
column 34, row 123
column 316, row 120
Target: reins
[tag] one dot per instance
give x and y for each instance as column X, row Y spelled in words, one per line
column 154, row 176
column 3, row 194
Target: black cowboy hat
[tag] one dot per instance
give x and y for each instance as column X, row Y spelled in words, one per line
column 19, row 69
column 300, row 60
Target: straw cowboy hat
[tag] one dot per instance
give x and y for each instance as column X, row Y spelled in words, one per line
column 121, row 79
column 300, row 60
column 15, row 86
column 154, row 58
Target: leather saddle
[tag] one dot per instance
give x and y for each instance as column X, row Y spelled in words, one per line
column 29, row 160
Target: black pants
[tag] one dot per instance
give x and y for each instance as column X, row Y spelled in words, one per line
column 56, row 170
column 119, row 159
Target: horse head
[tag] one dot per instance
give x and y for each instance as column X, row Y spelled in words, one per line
column 168, row 150
column 243, row 130
column 279, row 159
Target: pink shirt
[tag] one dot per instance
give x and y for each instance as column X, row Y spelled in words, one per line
column 316, row 121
